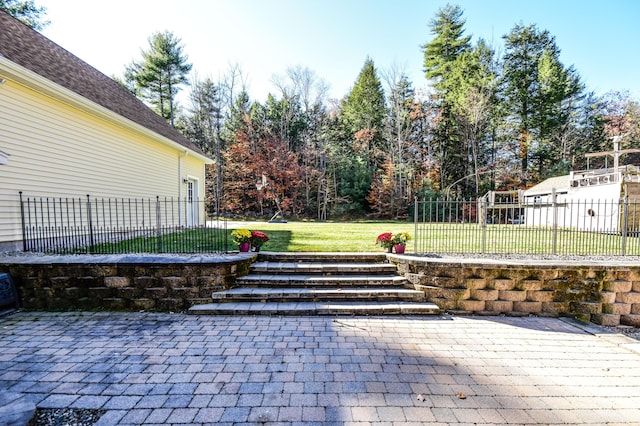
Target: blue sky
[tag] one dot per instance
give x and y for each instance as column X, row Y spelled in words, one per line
column 601, row 39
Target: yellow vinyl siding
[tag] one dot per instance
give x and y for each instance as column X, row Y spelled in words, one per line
column 191, row 166
column 62, row 144
column 57, row 150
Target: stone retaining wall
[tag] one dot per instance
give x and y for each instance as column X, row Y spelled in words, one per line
column 122, row 283
column 603, row 293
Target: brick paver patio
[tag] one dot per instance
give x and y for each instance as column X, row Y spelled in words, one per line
column 147, row 368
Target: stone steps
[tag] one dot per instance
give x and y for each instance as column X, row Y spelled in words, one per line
column 320, row 284
column 339, row 257
column 316, row 308
column 303, row 280
column 322, row 268
column 316, row 294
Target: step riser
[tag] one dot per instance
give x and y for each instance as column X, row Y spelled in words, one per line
column 315, row 284
column 322, row 270
column 316, row 309
column 289, row 301
column 336, row 298
column 309, row 313
column 323, row 257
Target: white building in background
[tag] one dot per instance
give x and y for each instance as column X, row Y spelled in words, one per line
column 589, row 200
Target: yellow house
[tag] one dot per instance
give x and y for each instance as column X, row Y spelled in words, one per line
column 67, row 130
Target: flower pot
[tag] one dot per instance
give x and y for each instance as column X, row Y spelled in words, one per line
column 244, row 247
column 399, row 248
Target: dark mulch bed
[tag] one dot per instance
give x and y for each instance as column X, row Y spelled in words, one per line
column 65, row 417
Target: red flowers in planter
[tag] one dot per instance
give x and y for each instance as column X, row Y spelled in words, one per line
column 389, row 239
column 258, row 238
column 384, row 240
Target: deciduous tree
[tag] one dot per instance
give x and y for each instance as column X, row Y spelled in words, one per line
column 202, row 125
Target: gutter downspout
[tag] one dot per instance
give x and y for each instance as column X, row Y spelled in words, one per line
column 180, row 184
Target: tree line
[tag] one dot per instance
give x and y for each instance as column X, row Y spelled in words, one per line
column 489, row 121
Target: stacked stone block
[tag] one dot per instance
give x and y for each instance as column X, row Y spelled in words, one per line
column 603, row 294
column 174, row 285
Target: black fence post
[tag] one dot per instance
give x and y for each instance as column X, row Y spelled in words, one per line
column 90, row 221
column 625, row 224
column 24, row 225
column 415, row 224
column 554, row 202
column 158, row 224
column 483, row 217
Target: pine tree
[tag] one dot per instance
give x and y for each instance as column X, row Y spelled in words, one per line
column 448, row 43
column 440, row 55
column 202, row 125
column 27, row 12
column 160, row 73
column 361, row 116
column 540, row 95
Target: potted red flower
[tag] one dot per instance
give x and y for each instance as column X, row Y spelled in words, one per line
column 258, row 238
column 384, row 240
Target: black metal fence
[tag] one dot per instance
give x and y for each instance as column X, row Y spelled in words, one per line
column 121, row 225
column 536, row 226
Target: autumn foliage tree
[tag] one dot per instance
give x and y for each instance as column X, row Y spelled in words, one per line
column 251, row 155
column 386, row 198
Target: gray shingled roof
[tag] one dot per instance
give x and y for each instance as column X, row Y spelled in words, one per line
column 30, row 49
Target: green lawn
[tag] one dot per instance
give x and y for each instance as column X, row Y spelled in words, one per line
column 326, row 236
column 442, row 238
column 361, row 236
column 290, row 236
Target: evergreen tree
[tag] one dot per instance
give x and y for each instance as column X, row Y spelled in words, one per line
column 440, row 55
column 361, row 116
column 27, row 12
column 448, row 43
column 204, row 119
column 364, row 106
column 284, row 118
column 523, row 48
column 238, row 116
column 557, row 114
column 540, row 95
column 161, row 71
column 589, row 134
